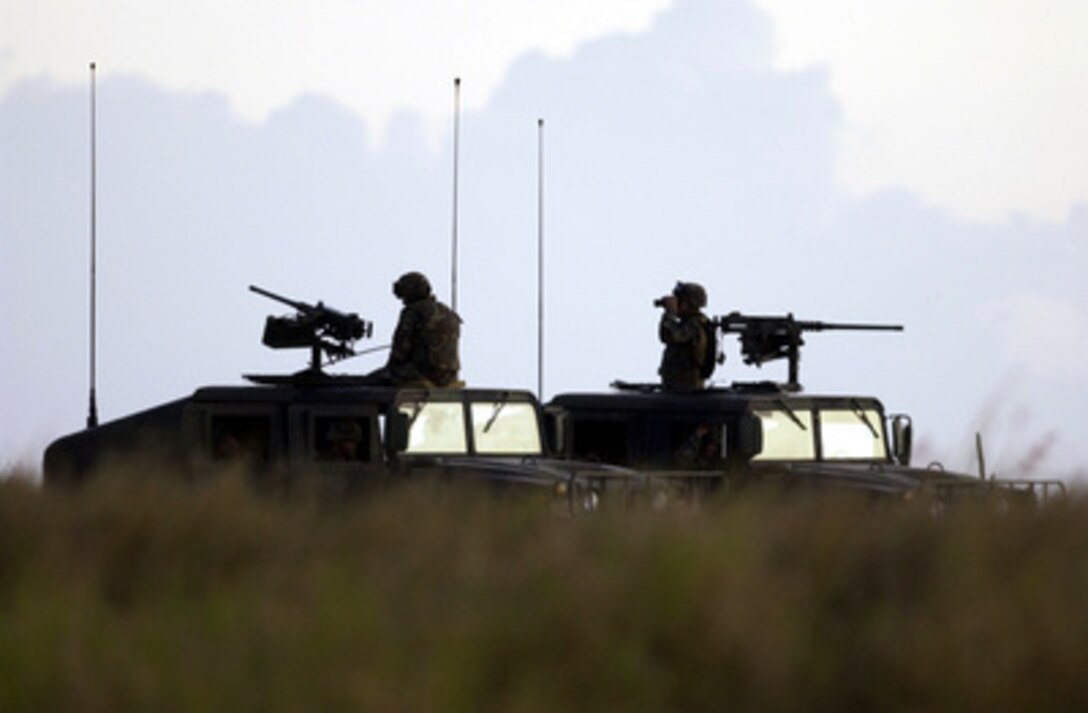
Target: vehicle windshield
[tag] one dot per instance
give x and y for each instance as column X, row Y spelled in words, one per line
column 787, row 435
column 436, row 427
column 851, row 434
column 505, row 428
column 499, row 427
column 847, row 432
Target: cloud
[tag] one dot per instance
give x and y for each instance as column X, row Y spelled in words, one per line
column 978, row 106
column 375, row 58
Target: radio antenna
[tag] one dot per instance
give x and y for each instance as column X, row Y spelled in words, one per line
column 456, row 157
column 92, row 413
column 540, row 260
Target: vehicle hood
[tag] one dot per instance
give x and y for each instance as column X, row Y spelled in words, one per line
column 534, row 469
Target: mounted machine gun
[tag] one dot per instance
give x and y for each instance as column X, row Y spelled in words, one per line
column 766, row 338
column 325, row 331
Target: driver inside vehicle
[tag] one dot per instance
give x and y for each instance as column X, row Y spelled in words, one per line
column 703, row 448
column 342, row 441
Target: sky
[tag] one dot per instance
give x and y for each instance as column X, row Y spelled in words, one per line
column 919, row 163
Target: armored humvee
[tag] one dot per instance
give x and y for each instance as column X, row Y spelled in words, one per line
column 342, row 434
column 340, row 437
column 760, row 432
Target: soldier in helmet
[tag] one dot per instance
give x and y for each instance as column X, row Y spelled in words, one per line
column 424, row 350
column 343, row 441
column 683, row 331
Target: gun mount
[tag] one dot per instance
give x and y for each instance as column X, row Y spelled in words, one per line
column 328, row 333
column 767, row 338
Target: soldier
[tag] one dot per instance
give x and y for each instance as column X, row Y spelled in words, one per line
column 424, row 350
column 703, row 448
column 683, row 331
column 343, row 441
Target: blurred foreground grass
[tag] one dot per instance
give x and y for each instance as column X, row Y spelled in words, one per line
column 138, row 596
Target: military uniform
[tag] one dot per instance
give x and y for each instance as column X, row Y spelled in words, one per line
column 686, row 333
column 684, row 337
column 424, row 350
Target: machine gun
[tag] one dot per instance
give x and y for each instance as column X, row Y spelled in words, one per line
column 764, row 339
column 325, row 331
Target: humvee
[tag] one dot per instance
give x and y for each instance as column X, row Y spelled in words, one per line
column 341, row 433
column 760, row 432
column 340, row 437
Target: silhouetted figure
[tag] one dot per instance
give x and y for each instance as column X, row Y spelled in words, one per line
column 683, row 331
column 425, row 343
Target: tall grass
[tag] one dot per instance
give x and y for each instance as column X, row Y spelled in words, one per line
column 150, row 595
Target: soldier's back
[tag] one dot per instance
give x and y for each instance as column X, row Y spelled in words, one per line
column 441, row 333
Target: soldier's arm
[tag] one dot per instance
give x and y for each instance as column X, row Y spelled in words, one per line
column 403, row 336
column 674, row 330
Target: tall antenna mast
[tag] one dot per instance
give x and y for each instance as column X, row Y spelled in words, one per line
column 540, row 261
column 456, row 157
column 92, row 413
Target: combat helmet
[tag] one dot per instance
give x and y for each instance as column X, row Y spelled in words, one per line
column 412, row 286
column 693, row 292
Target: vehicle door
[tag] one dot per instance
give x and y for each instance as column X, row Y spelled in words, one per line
column 228, row 434
column 336, row 442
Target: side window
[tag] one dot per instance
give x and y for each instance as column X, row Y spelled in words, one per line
column 235, row 437
column 698, row 445
column 787, row 435
column 435, row 427
column 342, row 438
column 599, row 440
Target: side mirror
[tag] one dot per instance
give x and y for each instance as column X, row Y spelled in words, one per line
column 902, row 436
column 749, row 436
column 554, row 426
column 396, row 432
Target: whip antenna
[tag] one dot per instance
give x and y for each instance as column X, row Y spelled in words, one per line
column 540, row 261
column 456, row 156
column 92, row 413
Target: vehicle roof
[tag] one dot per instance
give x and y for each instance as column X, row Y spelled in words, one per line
column 290, row 394
column 717, row 400
column 383, row 396
column 125, row 432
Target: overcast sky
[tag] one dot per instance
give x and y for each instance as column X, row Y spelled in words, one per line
column 914, row 162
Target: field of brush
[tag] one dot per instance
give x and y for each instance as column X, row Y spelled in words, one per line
column 133, row 595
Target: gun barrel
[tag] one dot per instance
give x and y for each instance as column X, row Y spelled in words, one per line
column 819, row 326
column 736, row 322
column 300, row 306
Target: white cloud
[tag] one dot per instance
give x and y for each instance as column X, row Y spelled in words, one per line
column 977, row 105
column 376, row 57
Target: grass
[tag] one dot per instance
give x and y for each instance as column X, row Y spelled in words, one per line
column 149, row 595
